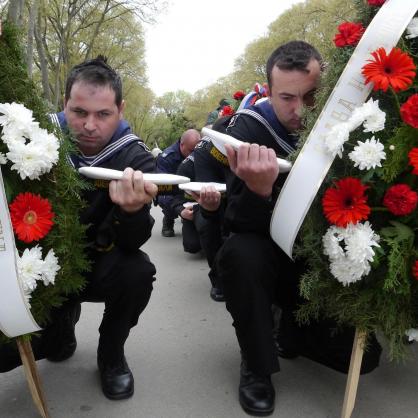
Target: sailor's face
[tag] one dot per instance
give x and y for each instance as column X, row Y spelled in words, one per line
column 290, row 91
column 92, row 116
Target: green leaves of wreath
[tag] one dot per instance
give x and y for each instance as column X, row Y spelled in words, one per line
column 365, row 219
column 51, row 257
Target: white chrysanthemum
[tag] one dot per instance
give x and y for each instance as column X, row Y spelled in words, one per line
column 350, row 251
column 376, row 120
column 359, row 242
column 357, row 118
column 50, row 268
column 29, row 267
column 331, row 242
column 368, row 154
column 347, row 272
column 412, row 334
column 48, row 142
column 3, row 159
column 28, row 160
column 336, row 137
column 412, row 28
column 18, row 116
column 28, row 297
column 370, row 114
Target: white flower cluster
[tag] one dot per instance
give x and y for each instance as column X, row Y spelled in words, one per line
column 368, row 154
column 32, row 150
column 32, row 268
column 350, row 251
column 412, row 334
column 412, row 28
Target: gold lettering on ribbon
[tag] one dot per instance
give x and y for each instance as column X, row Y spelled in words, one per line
column 340, row 116
column 350, row 106
column 357, row 84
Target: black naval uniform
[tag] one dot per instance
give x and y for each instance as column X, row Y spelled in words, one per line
column 257, row 274
column 191, row 240
column 121, row 275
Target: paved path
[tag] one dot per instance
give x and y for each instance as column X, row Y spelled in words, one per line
column 185, row 361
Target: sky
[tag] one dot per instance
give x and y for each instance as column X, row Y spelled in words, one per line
column 195, row 42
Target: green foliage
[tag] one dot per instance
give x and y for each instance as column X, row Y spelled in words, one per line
column 61, row 186
column 397, row 159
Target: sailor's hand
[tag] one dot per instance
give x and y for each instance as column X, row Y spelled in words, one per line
column 131, row 192
column 187, row 213
column 256, row 165
column 209, row 198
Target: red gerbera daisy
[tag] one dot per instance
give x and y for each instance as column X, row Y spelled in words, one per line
column 349, row 34
column 227, row 111
column 346, row 202
column 375, row 2
column 396, row 70
column 415, row 270
column 413, row 160
column 400, row 199
column 31, row 217
column 409, row 111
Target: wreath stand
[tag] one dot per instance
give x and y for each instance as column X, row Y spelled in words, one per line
column 32, row 376
column 353, row 374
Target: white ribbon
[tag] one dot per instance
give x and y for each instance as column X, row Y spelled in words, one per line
column 314, row 161
column 15, row 316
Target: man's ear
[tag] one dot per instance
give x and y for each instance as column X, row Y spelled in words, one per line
column 121, row 109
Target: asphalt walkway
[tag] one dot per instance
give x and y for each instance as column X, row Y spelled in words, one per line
column 185, row 361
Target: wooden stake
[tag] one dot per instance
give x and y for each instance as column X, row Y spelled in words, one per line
column 32, row 376
column 353, row 374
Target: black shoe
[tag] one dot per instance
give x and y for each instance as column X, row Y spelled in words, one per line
column 117, row 380
column 217, row 294
column 61, row 333
column 168, row 227
column 256, row 393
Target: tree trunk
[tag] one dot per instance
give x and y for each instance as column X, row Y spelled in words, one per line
column 15, row 12
column 42, row 59
column 31, row 27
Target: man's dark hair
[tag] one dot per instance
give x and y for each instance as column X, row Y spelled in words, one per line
column 294, row 55
column 97, row 72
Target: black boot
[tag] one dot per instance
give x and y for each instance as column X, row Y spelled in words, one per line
column 61, row 333
column 116, row 378
column 217, row 294
column 168, row 227
column 256, row 393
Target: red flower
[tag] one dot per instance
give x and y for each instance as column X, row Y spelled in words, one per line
column 227, row 111
column 349, row 34
column 400, row 199
column 239, row 95
column 31, row 217
column 409, row 111
column 375, row 2
column 345, row 203
column 413, row 160
column 396, row 70
column 415, row 270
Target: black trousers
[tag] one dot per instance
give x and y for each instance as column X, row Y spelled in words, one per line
column 203, row 234
column 123, row 281
column 256, row 274
column 191, row 239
